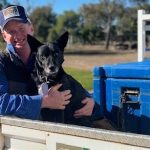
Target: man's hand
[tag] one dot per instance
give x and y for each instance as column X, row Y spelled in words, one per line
column 56, row 99
column 87, row 109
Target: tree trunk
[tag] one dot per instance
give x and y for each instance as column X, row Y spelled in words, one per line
column 108, row 30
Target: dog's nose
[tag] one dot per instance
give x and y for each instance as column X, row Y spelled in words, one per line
column 52, row 68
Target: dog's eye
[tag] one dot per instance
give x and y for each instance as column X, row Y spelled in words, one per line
column 42, row 58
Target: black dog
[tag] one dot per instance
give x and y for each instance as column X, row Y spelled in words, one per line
column 48, row 68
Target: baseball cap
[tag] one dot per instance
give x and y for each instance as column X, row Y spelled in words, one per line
column 12, row 12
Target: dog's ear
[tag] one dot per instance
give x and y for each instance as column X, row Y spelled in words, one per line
column 63, row 39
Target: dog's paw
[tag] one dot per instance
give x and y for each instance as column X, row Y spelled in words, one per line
column 43, row 89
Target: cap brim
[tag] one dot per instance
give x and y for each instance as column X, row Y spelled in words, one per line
column 18, row 19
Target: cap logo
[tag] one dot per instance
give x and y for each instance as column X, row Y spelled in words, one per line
column 10, row 12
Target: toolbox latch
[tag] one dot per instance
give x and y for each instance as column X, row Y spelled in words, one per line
column 129, row 104
column 130, row 95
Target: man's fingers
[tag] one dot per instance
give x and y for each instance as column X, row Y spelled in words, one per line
column 67, row 95
column 62, row 107
column 66, row 102
column 79, row 112
column 86, row 110
column 58, row 99
column 84, row 101
column 56, row 87
column 66, row 92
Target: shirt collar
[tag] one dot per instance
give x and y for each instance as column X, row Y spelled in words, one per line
column 11, row 49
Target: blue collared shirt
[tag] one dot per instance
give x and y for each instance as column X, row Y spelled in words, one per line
column 23, row 106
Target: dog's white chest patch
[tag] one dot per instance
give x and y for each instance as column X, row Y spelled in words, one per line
column 43, row 89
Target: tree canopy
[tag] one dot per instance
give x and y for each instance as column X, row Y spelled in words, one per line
column 92, row 23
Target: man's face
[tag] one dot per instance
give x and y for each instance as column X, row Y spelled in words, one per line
column 15, row 33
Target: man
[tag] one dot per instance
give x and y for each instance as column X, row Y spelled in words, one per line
column 18, row 95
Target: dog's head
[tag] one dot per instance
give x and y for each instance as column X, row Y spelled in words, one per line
column 50, row 56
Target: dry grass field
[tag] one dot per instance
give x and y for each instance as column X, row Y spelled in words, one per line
column 87, row 57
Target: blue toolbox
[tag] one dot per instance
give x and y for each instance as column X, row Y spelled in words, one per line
column 123, row 91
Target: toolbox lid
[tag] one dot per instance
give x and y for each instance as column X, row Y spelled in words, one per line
column 136, row 70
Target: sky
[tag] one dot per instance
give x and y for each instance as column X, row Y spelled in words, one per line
column 59, row 6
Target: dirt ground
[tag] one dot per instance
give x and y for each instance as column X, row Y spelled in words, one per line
column 88, row 58
column 87, row 62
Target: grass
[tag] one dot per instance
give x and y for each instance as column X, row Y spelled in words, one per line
column 82, row 76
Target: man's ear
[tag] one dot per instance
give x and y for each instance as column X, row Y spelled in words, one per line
column 63, row 39
column 3, row 35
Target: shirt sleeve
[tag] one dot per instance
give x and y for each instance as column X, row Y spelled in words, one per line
column 23, row 106
column 97, row 110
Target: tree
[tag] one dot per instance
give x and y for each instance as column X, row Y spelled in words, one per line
column 52, row 35
column 102, row 17
column 68, row 21
column 109, row 10
column 90, row 23
column 127, row 24
column 3, row 3
column 138, row 2
column 42, row 18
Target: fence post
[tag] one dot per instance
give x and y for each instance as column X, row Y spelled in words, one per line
column 141, row 35
column 142, row 28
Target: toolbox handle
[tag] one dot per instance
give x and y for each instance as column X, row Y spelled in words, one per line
column 126, row 92
column 130, row 101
